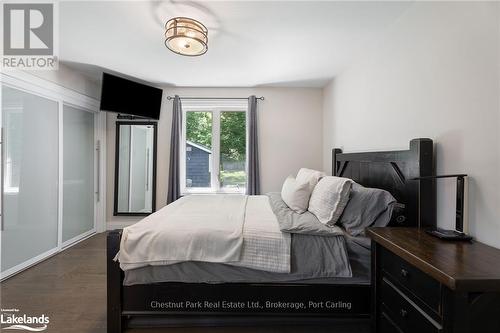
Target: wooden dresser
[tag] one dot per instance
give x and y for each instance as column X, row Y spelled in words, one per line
column 423, row 284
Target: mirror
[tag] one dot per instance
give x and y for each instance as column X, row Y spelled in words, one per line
column 135, row 168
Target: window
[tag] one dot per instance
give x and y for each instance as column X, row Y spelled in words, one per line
column 214, row 140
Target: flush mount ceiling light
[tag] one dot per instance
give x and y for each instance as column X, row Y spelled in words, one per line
column 186, row 36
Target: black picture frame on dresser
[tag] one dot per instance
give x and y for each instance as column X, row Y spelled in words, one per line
column 130, row 306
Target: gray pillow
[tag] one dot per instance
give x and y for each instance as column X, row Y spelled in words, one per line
column 366, row 207
column 304, row 223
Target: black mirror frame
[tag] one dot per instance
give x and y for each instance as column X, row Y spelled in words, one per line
column 117, row 152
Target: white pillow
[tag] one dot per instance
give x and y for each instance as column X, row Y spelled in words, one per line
column 329, row 198
column 296, row 195
column 309, row 175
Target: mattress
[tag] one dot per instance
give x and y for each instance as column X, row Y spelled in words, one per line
column 309, row 255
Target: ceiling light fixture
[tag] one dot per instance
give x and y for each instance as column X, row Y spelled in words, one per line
column 186, row 36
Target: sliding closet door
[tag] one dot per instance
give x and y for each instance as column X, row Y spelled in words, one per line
column 78, row 171
column 30, row 178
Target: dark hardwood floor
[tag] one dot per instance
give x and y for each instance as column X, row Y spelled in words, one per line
column 70, row 288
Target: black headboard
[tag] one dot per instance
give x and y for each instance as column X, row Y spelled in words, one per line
column 393, row 171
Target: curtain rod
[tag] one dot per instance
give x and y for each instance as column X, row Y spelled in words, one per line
column 172, row 97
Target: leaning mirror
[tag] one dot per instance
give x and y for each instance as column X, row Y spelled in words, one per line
column 135, row 168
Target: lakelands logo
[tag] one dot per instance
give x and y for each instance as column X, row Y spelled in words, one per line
column 11, row 319
column 29, row 36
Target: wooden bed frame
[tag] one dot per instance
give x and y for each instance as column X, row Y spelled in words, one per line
column 196, row 304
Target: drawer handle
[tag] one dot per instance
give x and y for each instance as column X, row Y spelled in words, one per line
column 403, row 313
column 404, row 273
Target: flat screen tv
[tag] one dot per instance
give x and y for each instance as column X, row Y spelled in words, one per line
column 129, row 97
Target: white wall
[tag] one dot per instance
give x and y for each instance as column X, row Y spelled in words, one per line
column 71, row 79
column 434, row 74
column 290, row 137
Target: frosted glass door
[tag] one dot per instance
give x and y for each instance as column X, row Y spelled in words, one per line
column 78, row 157
column 30, row 177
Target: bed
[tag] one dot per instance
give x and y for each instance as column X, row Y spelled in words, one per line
column 243, row 296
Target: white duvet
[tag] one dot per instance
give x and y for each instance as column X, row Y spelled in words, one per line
column 232, row 229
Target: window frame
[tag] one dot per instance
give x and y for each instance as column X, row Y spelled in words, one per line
column 216, row 107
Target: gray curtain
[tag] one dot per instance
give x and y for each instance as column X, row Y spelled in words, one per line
column 174, row 187
column 253, row 178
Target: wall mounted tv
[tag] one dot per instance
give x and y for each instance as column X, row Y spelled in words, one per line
column 129, row 97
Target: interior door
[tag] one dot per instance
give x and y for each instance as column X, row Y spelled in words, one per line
column 78, row 173
column 30, row 191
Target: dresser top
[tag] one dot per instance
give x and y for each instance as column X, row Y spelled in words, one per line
column 465, row 266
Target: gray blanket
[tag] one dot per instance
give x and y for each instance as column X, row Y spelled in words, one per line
column 312, row 257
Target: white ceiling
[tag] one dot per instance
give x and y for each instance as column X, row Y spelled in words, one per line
column 251, row 43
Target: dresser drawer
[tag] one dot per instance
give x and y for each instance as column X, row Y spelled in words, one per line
column 387, row 325
column 417, row 282
column 403, row 312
